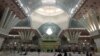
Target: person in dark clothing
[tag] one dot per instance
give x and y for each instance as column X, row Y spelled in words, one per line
column 70, row 54
column 65, row 53
column 21, row 48
column 87, row 54
column 59, row 54
column 26, row 51
column 90, row 54
column 39, row 50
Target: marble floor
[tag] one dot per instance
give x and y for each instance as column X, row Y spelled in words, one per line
column 41, row 54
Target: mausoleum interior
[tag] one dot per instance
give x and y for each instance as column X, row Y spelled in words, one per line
column 49, row 27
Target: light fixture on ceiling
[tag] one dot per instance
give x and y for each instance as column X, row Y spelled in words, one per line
column 20, row 3
column 68, row 39
column 72, row 11
column 48, row 2
column 83, row 43
column 49, row 11
column 49, row 31
column 48, row 8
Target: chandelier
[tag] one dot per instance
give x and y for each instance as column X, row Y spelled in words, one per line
column 48, row 8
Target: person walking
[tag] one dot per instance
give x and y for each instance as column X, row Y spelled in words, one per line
column 65, row 53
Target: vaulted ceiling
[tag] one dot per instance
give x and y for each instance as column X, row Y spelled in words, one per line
column 25, row 8
column 94, row 4
column 69, row 7
column 13, row 7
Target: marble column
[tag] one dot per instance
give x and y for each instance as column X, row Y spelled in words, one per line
column 1, row 41
column 97, row 42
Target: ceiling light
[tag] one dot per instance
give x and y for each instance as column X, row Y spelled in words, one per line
column 72, row 11
column 68, row 39
column 49, row 31
column 26, row 10
column 15, row 43
column 49, row 11
column 48, row 1
column 20, row 3
column 83, row 43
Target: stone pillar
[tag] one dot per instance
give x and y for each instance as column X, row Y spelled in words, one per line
column 97, row 41
column 1, row 41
